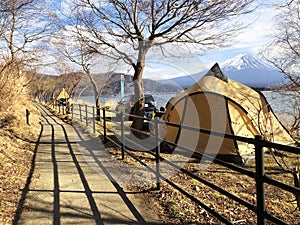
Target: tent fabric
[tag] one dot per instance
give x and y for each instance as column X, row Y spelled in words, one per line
column 220, row 104
column 63, row 94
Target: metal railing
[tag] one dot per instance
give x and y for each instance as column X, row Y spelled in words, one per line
column 86, row 115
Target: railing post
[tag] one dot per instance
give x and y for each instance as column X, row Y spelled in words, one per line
column 259, row 178
column 94, row 121
column 104, row 125
column 80, row 113
column 86, row 116
column 122, row 135
column 27, row 116
column 157, row 154
column 72, row 110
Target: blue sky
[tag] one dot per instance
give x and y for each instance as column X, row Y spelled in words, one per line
column 253, row 38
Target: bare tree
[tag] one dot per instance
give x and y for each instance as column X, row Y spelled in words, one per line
column 284, row 52
column 113, row 27
column 69, row 78
column 24, row 24
column 76, row 51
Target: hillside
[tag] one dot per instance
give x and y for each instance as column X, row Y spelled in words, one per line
column 16, row 154
column 78, row 84
column 113, row 86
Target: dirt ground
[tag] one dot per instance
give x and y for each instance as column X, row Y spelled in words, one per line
column 174, row 208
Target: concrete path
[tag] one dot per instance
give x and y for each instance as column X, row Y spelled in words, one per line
column 72, row 186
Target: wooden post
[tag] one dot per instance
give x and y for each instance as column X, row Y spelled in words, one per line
column 157, row 154
column 259, row 178
column 104, row 126
column 27, row 116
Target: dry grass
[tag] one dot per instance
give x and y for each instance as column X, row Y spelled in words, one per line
column 175, row 208
column 16, row 151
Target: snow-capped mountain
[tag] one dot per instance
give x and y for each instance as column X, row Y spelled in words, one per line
column 249, row 70
column 244, row 61
column 243, row 68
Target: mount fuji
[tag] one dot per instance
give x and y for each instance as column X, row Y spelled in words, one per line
column 243, row 68
column 244, row 61
column 248, row 70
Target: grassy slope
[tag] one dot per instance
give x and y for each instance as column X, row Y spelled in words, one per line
column 16, row 151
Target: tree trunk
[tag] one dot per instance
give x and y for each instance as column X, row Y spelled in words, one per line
column 98, row 115
column 96, row 91
column 139, row 100
column 138, row 109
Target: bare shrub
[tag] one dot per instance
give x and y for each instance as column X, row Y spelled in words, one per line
column 13, row 81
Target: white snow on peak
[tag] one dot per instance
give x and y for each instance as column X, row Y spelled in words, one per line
column 244, row 61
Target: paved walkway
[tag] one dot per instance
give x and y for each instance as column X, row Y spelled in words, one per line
column 69, row 185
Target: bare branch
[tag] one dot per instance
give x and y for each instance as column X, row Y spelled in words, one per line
column 108, row 26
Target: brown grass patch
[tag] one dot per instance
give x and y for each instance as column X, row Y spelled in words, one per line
column 175, row 208
column 16, row 151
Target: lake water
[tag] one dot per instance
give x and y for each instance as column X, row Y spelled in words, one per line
column 284, row 104
column 161, row 99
